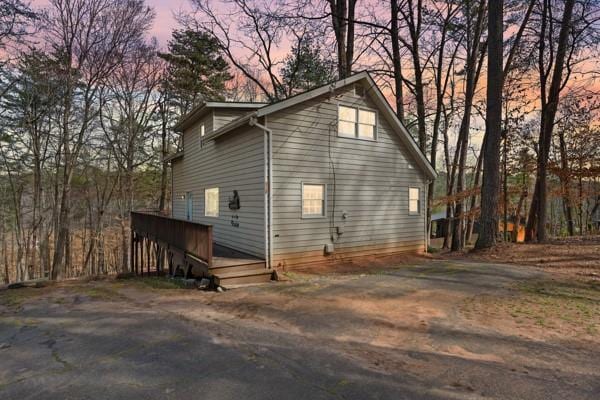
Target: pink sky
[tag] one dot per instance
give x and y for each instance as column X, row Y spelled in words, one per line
column 164, row 21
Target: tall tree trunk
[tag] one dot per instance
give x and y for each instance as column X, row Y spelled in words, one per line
column 4, row 250
column 472, row 217
column 517, row 224
column 537, row 215
column 164, row 153
column 440, row 88
column 472, row 72
column 339, row 22
column 397, row 62
column 490, row 189
column 565, row 183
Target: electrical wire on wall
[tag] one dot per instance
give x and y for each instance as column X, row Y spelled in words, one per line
column 332, row 163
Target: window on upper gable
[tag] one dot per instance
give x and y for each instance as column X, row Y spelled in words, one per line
column 358, row 123
column 202, row 132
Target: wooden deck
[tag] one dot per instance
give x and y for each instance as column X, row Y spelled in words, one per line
column 187, row 248
column 224, row 256
column 232, row 268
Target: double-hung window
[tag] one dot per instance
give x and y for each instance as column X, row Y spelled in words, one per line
column 313, row 200
column 414, row 200
column 357, row 123
column 211, row 202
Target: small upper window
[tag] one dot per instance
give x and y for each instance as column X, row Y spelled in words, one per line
column 313, row 200
column 357, row 123
column 211, row 202
column 202, row 131
column 414, row 203
column 359, row 90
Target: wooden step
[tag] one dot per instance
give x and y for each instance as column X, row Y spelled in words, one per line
column 225, row 269
column 259, row 275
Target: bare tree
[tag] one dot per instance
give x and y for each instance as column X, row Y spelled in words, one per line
column 89, row 39
column 475, row 56
column 342, row 19
column 549, row 98
column 253, row 53
column 127, row 115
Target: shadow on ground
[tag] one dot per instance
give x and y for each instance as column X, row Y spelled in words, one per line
column 434, row 330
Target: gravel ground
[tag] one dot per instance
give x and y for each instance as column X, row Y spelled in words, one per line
column 433, row 330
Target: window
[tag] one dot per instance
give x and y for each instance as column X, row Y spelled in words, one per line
column 357, row 123
column 414, row 204
column 313, row 200
column 211, row 202
column 347, row 121
column 359, row 90
column 201, row 134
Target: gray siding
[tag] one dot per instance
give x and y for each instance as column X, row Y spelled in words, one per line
column 224, row 116
column 366, row 180
column 233, row 162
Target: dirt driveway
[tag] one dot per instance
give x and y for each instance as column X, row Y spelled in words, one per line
column 434, row 330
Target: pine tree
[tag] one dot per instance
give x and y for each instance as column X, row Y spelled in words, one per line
column 305, row 68
column 196, row 69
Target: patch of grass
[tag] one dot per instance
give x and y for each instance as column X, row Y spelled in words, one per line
column 20, row 322
column 14, row 298
column 433, row 250
column 156, row 282
column 566, row 307
column 57, row 358
column 99, row 293
column 295, row 276
column 59, row 300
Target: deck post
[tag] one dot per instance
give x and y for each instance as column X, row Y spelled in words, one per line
column 137, row 253
column 133, row 266
column 148, row 255
column 142, row 256
column 209, row 250
column 131, row 236
column 170, row 261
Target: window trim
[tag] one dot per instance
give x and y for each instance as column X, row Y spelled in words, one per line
column 218, row 202
column 418, row 212
column 357, row 123
column 313, row 216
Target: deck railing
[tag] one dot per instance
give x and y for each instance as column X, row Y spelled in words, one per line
column 186, row 236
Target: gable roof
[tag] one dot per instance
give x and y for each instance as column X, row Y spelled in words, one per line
column 376, row 95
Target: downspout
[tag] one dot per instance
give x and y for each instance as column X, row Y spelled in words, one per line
column 426, row 222
column 268, row 147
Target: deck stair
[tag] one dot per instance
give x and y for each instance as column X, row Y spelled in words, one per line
column 231, row 269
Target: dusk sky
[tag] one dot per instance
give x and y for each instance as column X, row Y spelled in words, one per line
column 164, row 22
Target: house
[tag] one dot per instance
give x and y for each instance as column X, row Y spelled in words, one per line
column 439, row 224
column 325, row 175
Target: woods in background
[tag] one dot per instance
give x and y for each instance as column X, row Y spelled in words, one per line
column 503, row 98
